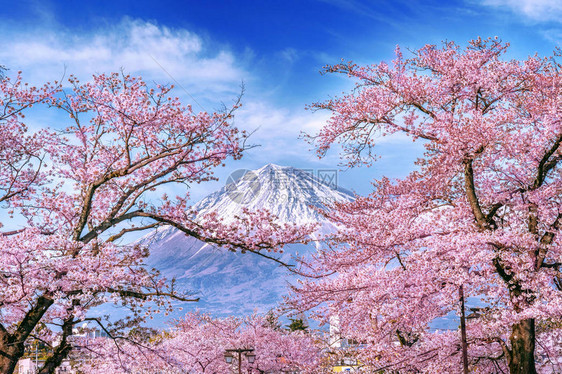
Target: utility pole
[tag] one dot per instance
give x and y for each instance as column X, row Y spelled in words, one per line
column 239, row 362
column 36, row 361
column 463, row 333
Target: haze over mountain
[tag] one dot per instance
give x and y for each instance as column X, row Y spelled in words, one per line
column 234, row 283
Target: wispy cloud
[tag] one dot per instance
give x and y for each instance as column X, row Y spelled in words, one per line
column 139, row 47
column 358, row 8
column 210, row 74
column 533, row 10
column 278, row 129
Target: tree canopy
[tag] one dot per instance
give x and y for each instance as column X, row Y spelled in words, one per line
column 81, row 188
column 481, row 210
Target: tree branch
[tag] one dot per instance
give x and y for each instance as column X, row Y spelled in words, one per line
column 132, row 229
column 61, row 351
column 31, row 319
column 145, row 296
column 470, row 190
column 545, row 165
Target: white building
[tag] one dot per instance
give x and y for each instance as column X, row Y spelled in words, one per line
column 28, row 366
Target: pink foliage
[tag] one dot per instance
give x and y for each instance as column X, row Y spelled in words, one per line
column 197, row 344
column 84, row 188
column 21, row 154
column 482, row 209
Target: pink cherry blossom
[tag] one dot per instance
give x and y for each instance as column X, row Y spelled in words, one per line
column 197, row 344
column 482, row 210
column 82, row 188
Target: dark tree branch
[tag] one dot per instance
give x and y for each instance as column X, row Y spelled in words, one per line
column 61, row 351
column 132, row 229
column 546, row 164
column 31, row 319
column 146, row 295
column 470, row 190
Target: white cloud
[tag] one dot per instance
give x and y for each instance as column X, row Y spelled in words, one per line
column 210, row 73
column 139, row 47
column 535, row 10
column 277, row 130
column 278, row 134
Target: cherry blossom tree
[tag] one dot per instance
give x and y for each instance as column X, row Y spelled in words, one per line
column 82, row 188
column 198, row 342
column 481, row 210
column 21, row 154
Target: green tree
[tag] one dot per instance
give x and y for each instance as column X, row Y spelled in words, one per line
column 297, row 324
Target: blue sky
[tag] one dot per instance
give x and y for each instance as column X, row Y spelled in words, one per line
column 207, row 48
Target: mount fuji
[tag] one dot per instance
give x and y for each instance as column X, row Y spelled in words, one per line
column 229, row 283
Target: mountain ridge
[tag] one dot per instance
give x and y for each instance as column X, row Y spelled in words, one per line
column 232, row 283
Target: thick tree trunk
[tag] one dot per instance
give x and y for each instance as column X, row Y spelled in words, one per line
column 10, row 353
column 522, row 357
column 60, row 352
column 12, row 346
column 54, row 361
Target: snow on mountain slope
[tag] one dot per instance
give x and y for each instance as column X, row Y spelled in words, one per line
column 286, row 191
column 234, row 283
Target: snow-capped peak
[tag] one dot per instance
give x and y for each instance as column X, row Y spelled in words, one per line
column 292, row 194
column 232, row 283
